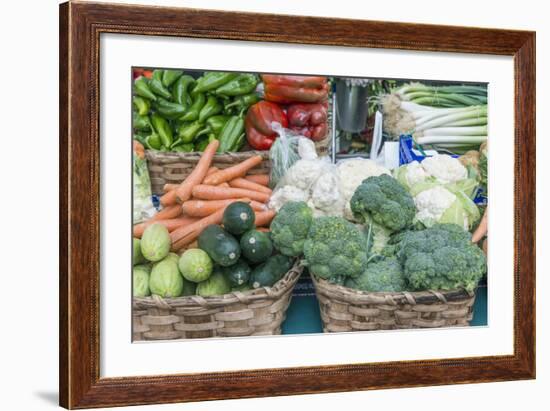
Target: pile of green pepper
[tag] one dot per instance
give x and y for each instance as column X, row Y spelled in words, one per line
column 174, row 111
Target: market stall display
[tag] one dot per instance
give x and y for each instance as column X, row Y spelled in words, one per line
column 250, row 194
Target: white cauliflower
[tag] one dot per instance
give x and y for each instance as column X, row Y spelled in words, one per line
column 414, row 173
column 352, row 173
column 326, row 195
column 286, row 194
column 444, row 168
column 303, row 173
column 432, row 203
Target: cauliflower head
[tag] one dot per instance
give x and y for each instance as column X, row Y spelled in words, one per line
column 303, row 173
column 444, row 168
column 290, row 227
column 326, row 195
column 335, row 247
column 385, row 201
column 285, row 194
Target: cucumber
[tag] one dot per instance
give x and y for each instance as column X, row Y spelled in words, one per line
column 268, row 273
column 238, row 217
column 220, row 246
column 237, row 274
column 256, row 246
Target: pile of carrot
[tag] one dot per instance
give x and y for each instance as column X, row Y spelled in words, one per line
column 201, row 199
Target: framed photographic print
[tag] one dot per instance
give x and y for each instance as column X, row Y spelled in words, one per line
column 249, row 200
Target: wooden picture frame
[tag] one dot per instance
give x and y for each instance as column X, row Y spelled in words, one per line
column 80, row 27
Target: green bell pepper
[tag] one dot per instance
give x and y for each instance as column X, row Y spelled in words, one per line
column 188, row 132
column 215, row 124
column 141, row 87
column 163, row 129
column 184, row 147
column 242, row 84
column 211, row 108
column 180, row 91
column 142, row 123
column 242, row 102
column 169, row 110
column 199, row 100
column 142, row 138
column 142, row 105
column 170, row 76
column 232, row 135
column 156, row 86
column 157, row 74
column 153, row 142
column 213, row 80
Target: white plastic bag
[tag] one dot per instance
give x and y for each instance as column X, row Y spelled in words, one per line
column 286, row 150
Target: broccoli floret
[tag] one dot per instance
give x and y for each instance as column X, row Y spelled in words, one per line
column 439, row 258
column 385, row 201
column 290, row 227
column 335, row 247
column 385, row 275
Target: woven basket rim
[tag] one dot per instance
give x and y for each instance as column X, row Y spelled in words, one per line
column 354, row 296
column 175, row 155
column 280, row 288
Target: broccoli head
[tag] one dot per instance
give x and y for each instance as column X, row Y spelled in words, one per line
column 290, row 227
column 385, row 275
column 439, row 258
column 335, row 247
column 385, row 201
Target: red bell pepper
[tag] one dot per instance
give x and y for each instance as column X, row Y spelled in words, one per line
column 310, row 120
column 295, row 89
column 259, row 133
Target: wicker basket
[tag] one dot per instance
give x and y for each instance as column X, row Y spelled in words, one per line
column 172, row 167
column 237, row 314
column 345, row 309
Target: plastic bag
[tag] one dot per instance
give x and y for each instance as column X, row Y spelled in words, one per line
column 286, row 150
column 143, row 207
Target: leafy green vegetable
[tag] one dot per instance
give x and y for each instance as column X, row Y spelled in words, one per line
column 385, row 275
column 383, row 200
column 335, row 247
column 439, row 258
column 289, row 228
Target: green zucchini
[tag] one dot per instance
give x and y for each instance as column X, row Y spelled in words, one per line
column 237, row 274
column 220, row 246
column 256, row 246
column 268, row 273
column 238, row 217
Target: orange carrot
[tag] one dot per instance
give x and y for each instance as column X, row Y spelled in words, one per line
column 206, row 192
column 203, row 208
column 167, row 212
column 183, row 192
column 257, row 206
column 481, row 229
column 171, row 224
column 263, row 218
column 212, row 170
column 169, row 187
column 262, row 179
column 187, row 234
column 263, row 229
column 223, row 185
column 249, row 185
column 238, row 170
column 169, row 199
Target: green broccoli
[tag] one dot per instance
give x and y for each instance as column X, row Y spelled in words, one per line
column 335, row 247
column 385, row 275
column 384, row 201
column 290, row 227
column 439, row 258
